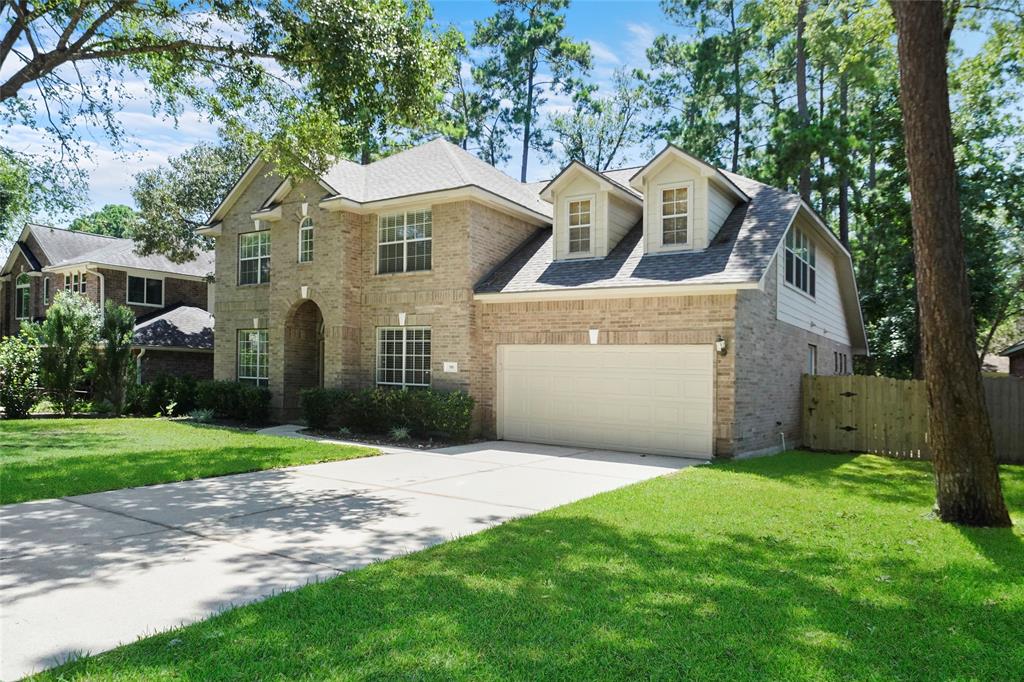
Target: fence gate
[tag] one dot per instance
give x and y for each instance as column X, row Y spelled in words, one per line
column 885, row 416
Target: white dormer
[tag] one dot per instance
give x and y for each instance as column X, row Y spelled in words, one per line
column 591, row 212
column 686, row 201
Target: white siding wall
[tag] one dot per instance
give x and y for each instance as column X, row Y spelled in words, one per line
column 622, row 217
column 823, row 314
column 674, row 172
column 720, row 205
column 582, row 186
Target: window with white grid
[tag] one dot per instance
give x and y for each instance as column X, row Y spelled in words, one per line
column 306, row 240
column 800, row 267
column 23, row 296
column 253, row 361
column 403, row 356
column 404, row 241
column 579, row 226
column 254, row 258
column 675, row 215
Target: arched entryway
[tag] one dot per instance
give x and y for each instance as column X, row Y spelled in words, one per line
column 303, row 354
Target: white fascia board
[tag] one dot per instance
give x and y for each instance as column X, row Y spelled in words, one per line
column 232, row 196
column 212, row 231
column 134, row 272
column 339, row 203
column 592, row 293
column 706, row 170
column 269, row 214
column 575, row 168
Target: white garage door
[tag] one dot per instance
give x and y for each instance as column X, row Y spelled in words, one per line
column 653, row 399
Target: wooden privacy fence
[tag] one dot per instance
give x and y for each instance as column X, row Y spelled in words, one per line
column 890, row 417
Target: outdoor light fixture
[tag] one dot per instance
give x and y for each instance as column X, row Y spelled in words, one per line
column 401, row 319
column 255, row 323
column 305, row 292
column 593, row 336
column 720, row 345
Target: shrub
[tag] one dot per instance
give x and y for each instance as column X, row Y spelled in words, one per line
column 67, row 337
column 398, row 433
column 232, row 400
column 19, row 373
column 114, row 366
column 201, row 415
column 421, row 412
column 167, row 394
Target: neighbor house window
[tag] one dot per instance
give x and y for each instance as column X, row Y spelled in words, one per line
column 306, row 240
column 800, row 261
column 75, row 283
column 403, row 356
column 46, row 291
column 675, row 215
column 579, row 226
column 67, row 282
column 812, row 359
column 252, row 357
column 254, row 258
column 145, row 291
column 404, row 241
column 22, row 296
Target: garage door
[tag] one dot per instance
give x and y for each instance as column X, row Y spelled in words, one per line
column 653, row 399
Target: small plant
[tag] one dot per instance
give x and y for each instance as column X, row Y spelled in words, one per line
column 103, row 407
column 19, row 373
column 399, row 433
column 170, row 407
column 201, row 416
column 344, row 432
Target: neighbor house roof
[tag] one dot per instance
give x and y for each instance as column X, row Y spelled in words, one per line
column 1014, row 349
column 179, row 327
column 740, row 253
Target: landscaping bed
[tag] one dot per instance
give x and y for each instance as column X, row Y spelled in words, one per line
column 799, row 566
column 45, row 458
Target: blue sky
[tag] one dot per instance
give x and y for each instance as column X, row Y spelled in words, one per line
column 619, row 32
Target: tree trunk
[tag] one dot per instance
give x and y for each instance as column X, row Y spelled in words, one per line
column 822, row 165
column 737, row 85
column 804, row 182
column 528, row 122
column 844, row 173
column 963, row 452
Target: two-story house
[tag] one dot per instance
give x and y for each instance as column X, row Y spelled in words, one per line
column 171, row 301
column 668, row 309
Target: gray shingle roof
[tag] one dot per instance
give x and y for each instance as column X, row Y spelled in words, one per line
column 1014, row 349
column 180, row 327
column 432, row 167
column 740, row 253
column 66, row 247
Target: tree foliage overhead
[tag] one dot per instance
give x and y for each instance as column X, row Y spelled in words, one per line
column 308, row 80
column 528, row 56
column 113, row 220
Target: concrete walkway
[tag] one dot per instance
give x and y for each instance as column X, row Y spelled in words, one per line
column 86, row 573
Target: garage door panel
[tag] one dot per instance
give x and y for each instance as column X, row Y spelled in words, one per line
column 656, row 399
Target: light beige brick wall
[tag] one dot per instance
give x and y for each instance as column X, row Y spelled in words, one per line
column 656, row 320
column 771, row 358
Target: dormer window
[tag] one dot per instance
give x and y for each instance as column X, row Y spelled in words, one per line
column 675, row 215
column 580, row 224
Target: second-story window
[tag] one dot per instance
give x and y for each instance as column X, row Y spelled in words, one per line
column 675, row 215
column 404, row 241
column 254, row 258
column 306, row 240
column 579, row 226
column 22, row 297
column 800, row 268
column 145, row 291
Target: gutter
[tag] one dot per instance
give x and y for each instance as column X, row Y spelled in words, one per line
column 138, row 366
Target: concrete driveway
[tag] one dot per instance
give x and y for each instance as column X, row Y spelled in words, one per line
column 84, row 574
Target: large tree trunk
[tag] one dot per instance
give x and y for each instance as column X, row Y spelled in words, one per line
column 528, row 123
column 844, row 174
column 804, row 181
column 737, row 84
column 963, row 453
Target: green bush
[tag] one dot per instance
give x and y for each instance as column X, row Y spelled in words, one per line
column 233, row 400
column 167, row 394
column 19, row 373
column 67, row 338
column 425, row 413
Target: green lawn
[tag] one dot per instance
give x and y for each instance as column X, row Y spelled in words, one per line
column 801, row 566
column 42, row 458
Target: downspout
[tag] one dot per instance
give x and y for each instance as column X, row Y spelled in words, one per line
column 103, row 291
column 138, row 366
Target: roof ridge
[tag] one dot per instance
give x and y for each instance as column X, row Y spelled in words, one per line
column 459, row 169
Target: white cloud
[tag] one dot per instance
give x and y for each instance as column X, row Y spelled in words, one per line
column 603, row 53
column 641, row 38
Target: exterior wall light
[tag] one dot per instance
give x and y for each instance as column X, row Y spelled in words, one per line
column 720, row 345
column 593, row 336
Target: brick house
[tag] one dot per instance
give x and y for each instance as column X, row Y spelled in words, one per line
column 171, row 301
column 667, row 309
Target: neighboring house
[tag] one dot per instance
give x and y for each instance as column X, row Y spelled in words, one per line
column 170, row 300
column 665, row 309
column 1015, row 353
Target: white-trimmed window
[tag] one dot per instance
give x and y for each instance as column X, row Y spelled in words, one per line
column 253, row 362
column 403, row 356
column 306, row 240
column 22, row 296
column 145, row 291
column 812, row 359
column 404, row 241
column 800, row 269
column 580, row 218
column 46, row 291
column 254, row 258
column 75, row 282
column 675, row 215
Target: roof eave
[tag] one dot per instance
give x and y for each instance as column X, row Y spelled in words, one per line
column 635, row 291
column 339, row 202
column 707, row 170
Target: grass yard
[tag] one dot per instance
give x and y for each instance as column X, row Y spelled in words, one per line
column 801, row 566
column 43, row 458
